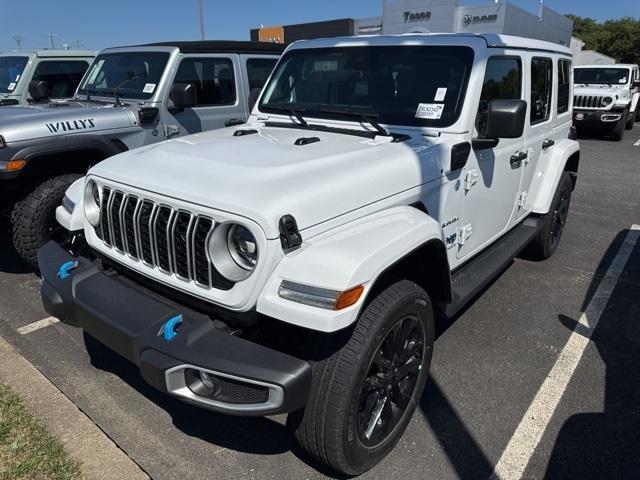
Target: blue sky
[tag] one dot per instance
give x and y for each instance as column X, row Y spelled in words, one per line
column 120, row 22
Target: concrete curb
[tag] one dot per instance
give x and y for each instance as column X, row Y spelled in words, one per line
column 100, row 456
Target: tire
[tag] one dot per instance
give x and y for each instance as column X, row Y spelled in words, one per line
column 33, row 220
column 553, row 222
column 618, row 131
column 330, row 427
column 631, row 118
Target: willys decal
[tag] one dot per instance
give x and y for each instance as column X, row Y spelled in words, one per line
column 71, row 126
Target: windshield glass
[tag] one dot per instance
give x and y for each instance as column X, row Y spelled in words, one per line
column 600, row 76
column 135, row 74
column 10, row 70
column 399, row 85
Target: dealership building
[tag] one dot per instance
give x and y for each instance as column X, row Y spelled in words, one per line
column 433, row 16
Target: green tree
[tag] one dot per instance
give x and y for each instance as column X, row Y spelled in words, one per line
column 619, row 38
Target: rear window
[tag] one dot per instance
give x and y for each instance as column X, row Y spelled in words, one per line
column 62, row 76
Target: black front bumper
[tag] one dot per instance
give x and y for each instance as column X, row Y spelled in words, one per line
column 593, row 118
column 130, row 321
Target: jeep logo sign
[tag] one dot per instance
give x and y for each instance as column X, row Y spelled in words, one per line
column 469, row 19
column 70, row 126
column 416, row 16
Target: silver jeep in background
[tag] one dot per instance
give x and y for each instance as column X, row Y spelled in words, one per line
column 130, row 97
column 40, row 76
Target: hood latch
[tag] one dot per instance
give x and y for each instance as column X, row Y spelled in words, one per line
column 290, row 237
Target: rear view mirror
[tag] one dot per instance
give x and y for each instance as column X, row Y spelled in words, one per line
column 636, row 84
column 505, row 119
column 184, row 95
column 253, row 98
column 38, row 90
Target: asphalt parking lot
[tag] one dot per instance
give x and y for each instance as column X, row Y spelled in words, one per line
column 515, row 381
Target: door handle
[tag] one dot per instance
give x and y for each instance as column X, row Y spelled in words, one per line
column 548, row 143
column 232, row 122
column 518, row 157
column 171, row 131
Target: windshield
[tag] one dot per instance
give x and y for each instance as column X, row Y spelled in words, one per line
column 10, row 70
column 601, row 76
column 399, row 85
column 135, row 74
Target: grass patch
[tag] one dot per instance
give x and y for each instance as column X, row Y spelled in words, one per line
column 27, row 450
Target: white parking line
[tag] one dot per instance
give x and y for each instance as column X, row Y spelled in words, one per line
column 521, row 447
column 32, row 327
column 637, row 144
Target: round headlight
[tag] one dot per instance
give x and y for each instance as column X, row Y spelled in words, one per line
column 92, row 203
column 607, row 101
column 234, row 251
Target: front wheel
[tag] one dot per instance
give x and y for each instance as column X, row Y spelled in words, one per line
column 617, row 133
column 33, row 220
column 364, row 395
column 631, row 118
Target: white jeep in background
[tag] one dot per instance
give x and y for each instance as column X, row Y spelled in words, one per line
column 297, row 264
column 606, row 98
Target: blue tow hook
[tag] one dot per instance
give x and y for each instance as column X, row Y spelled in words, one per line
column 169, row 329
column 66, row 268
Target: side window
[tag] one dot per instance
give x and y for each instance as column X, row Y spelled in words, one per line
column 541, row 89
column 62, row 76
column 258, row 71
column 564, row 84
column 213, row 79
column 502, row 80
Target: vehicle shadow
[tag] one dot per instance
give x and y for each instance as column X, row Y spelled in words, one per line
column 10, row 262
column 605, row 444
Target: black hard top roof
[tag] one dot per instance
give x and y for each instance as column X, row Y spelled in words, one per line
column 222, row 46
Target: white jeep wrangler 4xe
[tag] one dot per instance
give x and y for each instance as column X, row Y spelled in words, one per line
column 297, row 263
column 606, row 98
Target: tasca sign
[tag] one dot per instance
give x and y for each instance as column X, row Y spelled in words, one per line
column 70, row 126
column 471, row 19
column 416, row 16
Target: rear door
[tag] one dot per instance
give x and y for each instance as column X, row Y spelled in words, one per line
column 218, row 87
column 539, row 133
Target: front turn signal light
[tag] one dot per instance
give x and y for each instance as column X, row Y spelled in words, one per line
column 13, row 165
column 349, row 297
column 320, row 297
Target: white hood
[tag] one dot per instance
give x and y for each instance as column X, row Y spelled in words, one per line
column 265, row 176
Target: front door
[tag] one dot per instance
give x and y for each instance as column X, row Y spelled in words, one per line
column 218, row 90
column 490, row 181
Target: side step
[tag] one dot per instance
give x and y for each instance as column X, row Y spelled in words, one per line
column 470, row 279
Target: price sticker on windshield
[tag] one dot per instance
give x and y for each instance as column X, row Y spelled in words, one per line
column 149, row 88
column 430, row 111
column 11, row 86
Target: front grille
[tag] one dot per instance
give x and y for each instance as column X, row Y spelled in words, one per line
column 159, row 236
column 588, row 101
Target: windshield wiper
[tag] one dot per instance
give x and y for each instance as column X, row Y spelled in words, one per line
column 293, row 112
column 366, row 117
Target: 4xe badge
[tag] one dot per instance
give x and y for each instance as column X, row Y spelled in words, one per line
column 70, row 126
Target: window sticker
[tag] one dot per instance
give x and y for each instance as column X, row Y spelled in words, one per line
column 325, row 65
column 623, row 80
column 430, row 111
column 440, row 94
column 11, row 86
column 149, row 88
column 17, row 78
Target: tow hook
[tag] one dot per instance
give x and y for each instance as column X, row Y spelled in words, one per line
column 66, row 268
column 168, row 330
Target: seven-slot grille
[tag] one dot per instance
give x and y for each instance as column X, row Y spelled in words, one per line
column 589, row 101
column 159, row 236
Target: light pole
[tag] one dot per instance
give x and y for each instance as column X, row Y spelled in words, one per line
column 51, row 35
column 201, row 20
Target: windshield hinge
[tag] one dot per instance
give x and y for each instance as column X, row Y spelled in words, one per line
column 465, row 233
column 522, row 199
column 470, row 179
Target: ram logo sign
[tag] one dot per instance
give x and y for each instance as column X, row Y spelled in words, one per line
column 70, row 126
column 469, row 19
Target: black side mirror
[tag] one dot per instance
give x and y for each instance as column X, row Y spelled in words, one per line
column 636, row 84
column 253, row 97
column 38, row 90
column 505, row 119
column 184, row 95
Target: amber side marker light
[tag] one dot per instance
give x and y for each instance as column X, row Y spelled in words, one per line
column 13, row 165
column 348, row 298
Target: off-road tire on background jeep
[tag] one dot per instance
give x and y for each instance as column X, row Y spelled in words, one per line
column 631, row 119
column 33, row 220
column 553, row 222
column 618, row 131
column 333, row 425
